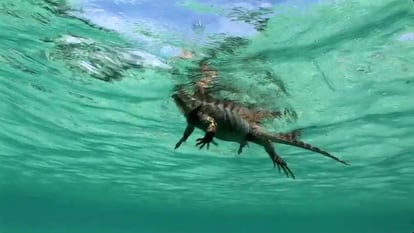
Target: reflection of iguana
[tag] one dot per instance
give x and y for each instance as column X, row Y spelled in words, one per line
column 231, row 122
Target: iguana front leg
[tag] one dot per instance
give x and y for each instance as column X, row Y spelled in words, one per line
column 188, row 131
column 242, row 145
column 210, row 131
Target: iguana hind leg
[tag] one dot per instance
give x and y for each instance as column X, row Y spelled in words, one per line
column 277, row 160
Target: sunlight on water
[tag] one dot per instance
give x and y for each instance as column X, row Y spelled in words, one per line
column 89, row 128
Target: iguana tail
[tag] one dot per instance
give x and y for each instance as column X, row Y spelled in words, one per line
column 291, row 139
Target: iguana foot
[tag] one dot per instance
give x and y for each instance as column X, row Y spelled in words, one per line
column 280, row 163
column 201, row 142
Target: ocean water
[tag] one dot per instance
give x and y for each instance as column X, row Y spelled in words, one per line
column 88, row 128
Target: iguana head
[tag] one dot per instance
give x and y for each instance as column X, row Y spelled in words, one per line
column 185, row 103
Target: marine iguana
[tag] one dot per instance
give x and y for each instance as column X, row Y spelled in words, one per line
column 229, row 121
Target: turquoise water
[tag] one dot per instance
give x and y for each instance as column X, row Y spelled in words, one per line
column 88, row 127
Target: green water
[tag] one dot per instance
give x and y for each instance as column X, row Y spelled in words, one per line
column 79, row 154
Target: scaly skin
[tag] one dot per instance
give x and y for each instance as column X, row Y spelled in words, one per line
column 229, row 121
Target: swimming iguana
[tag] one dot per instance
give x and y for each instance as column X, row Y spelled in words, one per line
column 229, row 121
